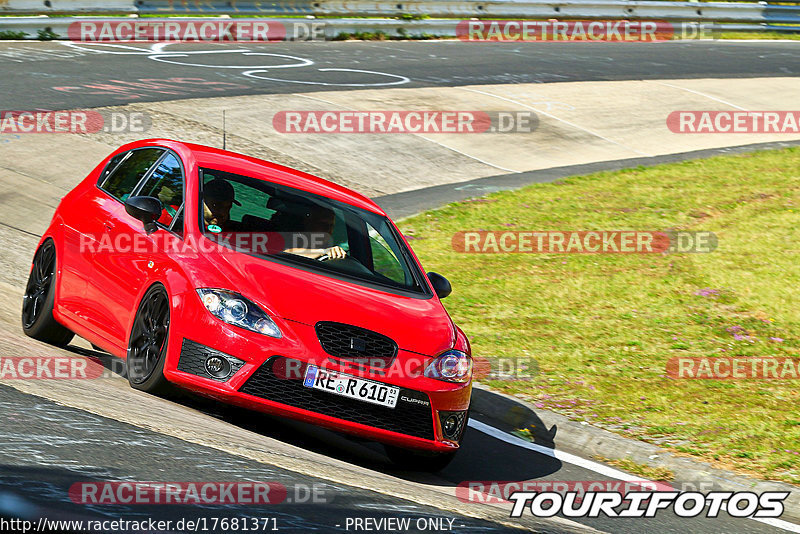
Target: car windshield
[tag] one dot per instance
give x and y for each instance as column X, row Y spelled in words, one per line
column 306, row 230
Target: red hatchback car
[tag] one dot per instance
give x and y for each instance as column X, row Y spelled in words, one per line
column 259, row 286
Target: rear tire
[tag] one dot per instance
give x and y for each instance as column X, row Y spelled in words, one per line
column 419, row 460
column 40, row 295
column 147, row 348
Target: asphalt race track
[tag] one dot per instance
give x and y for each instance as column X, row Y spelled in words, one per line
column 40, row 69
column 56, row 434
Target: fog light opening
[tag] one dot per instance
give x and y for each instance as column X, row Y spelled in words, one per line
column 218, row 367
column 450, row 426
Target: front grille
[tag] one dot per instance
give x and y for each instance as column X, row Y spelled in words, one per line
column 411, row 415
column 193, row 360
column 358, row 344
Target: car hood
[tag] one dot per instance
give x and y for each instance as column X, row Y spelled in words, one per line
column 418, row 325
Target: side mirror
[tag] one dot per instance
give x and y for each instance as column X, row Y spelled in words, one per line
column 440, row 285
column 146, row 209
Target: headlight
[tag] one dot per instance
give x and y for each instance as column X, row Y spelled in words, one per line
column 236, row 310
column 451, row 366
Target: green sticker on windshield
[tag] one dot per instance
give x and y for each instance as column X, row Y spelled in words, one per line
column 214, row 228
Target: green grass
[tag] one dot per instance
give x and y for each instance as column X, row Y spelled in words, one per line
column 12, row 35
column 602, row 327
column 758, row 35
column 661, row 474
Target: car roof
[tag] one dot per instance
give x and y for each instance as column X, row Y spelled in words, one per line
column 227, row 161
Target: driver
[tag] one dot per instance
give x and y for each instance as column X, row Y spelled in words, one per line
column 218, row 199
column 319, row 220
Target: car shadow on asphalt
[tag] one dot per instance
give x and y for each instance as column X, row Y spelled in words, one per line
column 481, row 458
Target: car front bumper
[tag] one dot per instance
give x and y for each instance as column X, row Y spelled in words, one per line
column 253, row 383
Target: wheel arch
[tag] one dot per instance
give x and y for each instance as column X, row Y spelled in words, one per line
column 178, row 288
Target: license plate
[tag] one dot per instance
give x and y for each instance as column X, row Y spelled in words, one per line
column 351, row 386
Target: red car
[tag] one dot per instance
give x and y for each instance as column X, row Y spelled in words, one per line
column 259, row 286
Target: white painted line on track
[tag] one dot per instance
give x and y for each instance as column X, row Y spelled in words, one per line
column 558, row 455
column 400, row 79
column 704, row 95
column 167, row 56
column 479, row 160
column 778, row 523
column 594, row 466
column 590, row 132
column 759, row 41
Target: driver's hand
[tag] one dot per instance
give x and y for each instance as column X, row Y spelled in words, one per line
column 335, row 253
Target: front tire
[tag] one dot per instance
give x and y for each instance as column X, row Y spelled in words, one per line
column 408, row 460
column 147, row 348
column 40, row 296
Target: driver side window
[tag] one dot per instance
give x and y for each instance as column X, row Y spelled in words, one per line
column 384, row 259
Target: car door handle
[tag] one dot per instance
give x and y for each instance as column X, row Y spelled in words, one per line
column 108, row 225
